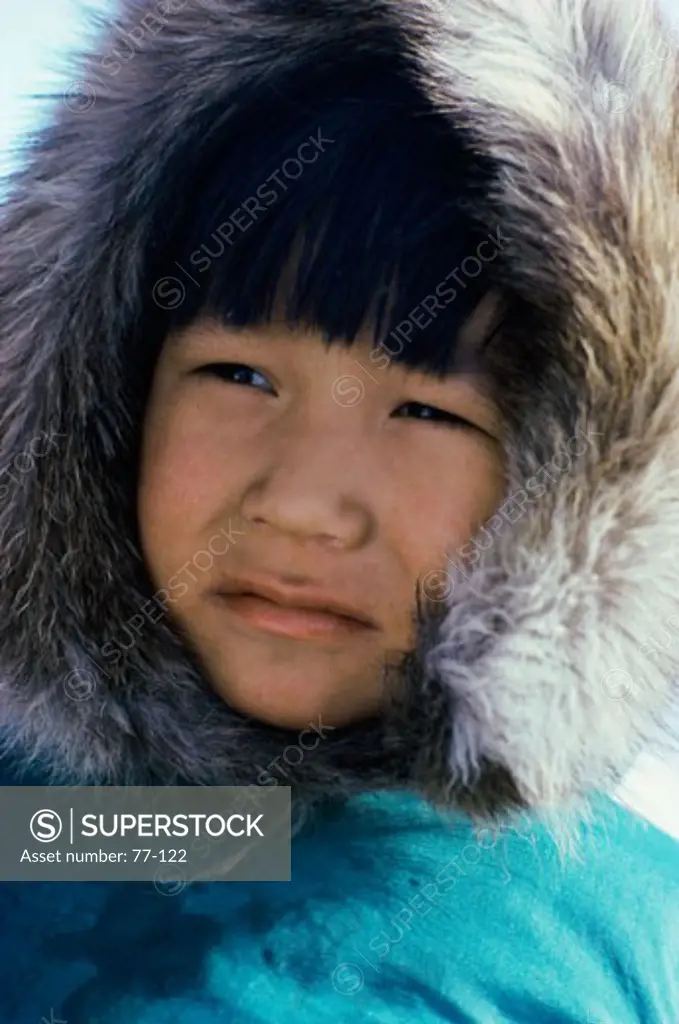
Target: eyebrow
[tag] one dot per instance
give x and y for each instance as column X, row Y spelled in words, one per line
column 207, row 330
column 480, row 384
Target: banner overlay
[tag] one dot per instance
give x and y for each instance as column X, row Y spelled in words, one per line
column 171, row 835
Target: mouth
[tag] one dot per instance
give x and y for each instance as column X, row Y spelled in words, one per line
column 303, row 617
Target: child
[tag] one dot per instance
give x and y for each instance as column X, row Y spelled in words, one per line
column 350, row 349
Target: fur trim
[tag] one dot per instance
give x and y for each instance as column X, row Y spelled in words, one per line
column 534, row 687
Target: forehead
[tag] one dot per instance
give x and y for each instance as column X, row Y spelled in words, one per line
column 467, row 344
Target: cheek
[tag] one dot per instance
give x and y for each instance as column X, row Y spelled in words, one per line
column 188, row 481
column 451, row 502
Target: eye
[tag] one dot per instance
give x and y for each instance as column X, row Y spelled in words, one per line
column 237, row 373
column 432, row 414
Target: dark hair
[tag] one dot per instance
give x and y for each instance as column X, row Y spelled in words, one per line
column 361, row 236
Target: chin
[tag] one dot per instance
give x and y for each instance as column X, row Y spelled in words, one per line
column 296, row 706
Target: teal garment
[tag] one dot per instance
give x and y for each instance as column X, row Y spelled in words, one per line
column 392, row 917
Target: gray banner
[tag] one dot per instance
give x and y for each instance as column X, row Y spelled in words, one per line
column 171, row 835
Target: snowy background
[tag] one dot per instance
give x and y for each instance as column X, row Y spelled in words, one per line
column 36, row 37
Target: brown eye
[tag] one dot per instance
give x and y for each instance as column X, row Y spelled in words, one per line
column 237, row 373
column 432, row 414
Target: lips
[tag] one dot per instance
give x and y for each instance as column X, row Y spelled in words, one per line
column 300, row 614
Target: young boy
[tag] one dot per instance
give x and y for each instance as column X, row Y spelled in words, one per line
column 350, row 351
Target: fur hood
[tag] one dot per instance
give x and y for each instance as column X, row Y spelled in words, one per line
column 543, row 676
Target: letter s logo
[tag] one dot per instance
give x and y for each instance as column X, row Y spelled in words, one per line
column 46, row 826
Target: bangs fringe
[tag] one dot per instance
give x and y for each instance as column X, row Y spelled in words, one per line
column 338, row 202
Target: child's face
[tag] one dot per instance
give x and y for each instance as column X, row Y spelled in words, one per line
column 271, row 474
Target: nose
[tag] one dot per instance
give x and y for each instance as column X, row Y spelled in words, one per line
column 311, row 490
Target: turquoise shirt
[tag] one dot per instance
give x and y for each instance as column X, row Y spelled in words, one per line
column 392, row 917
